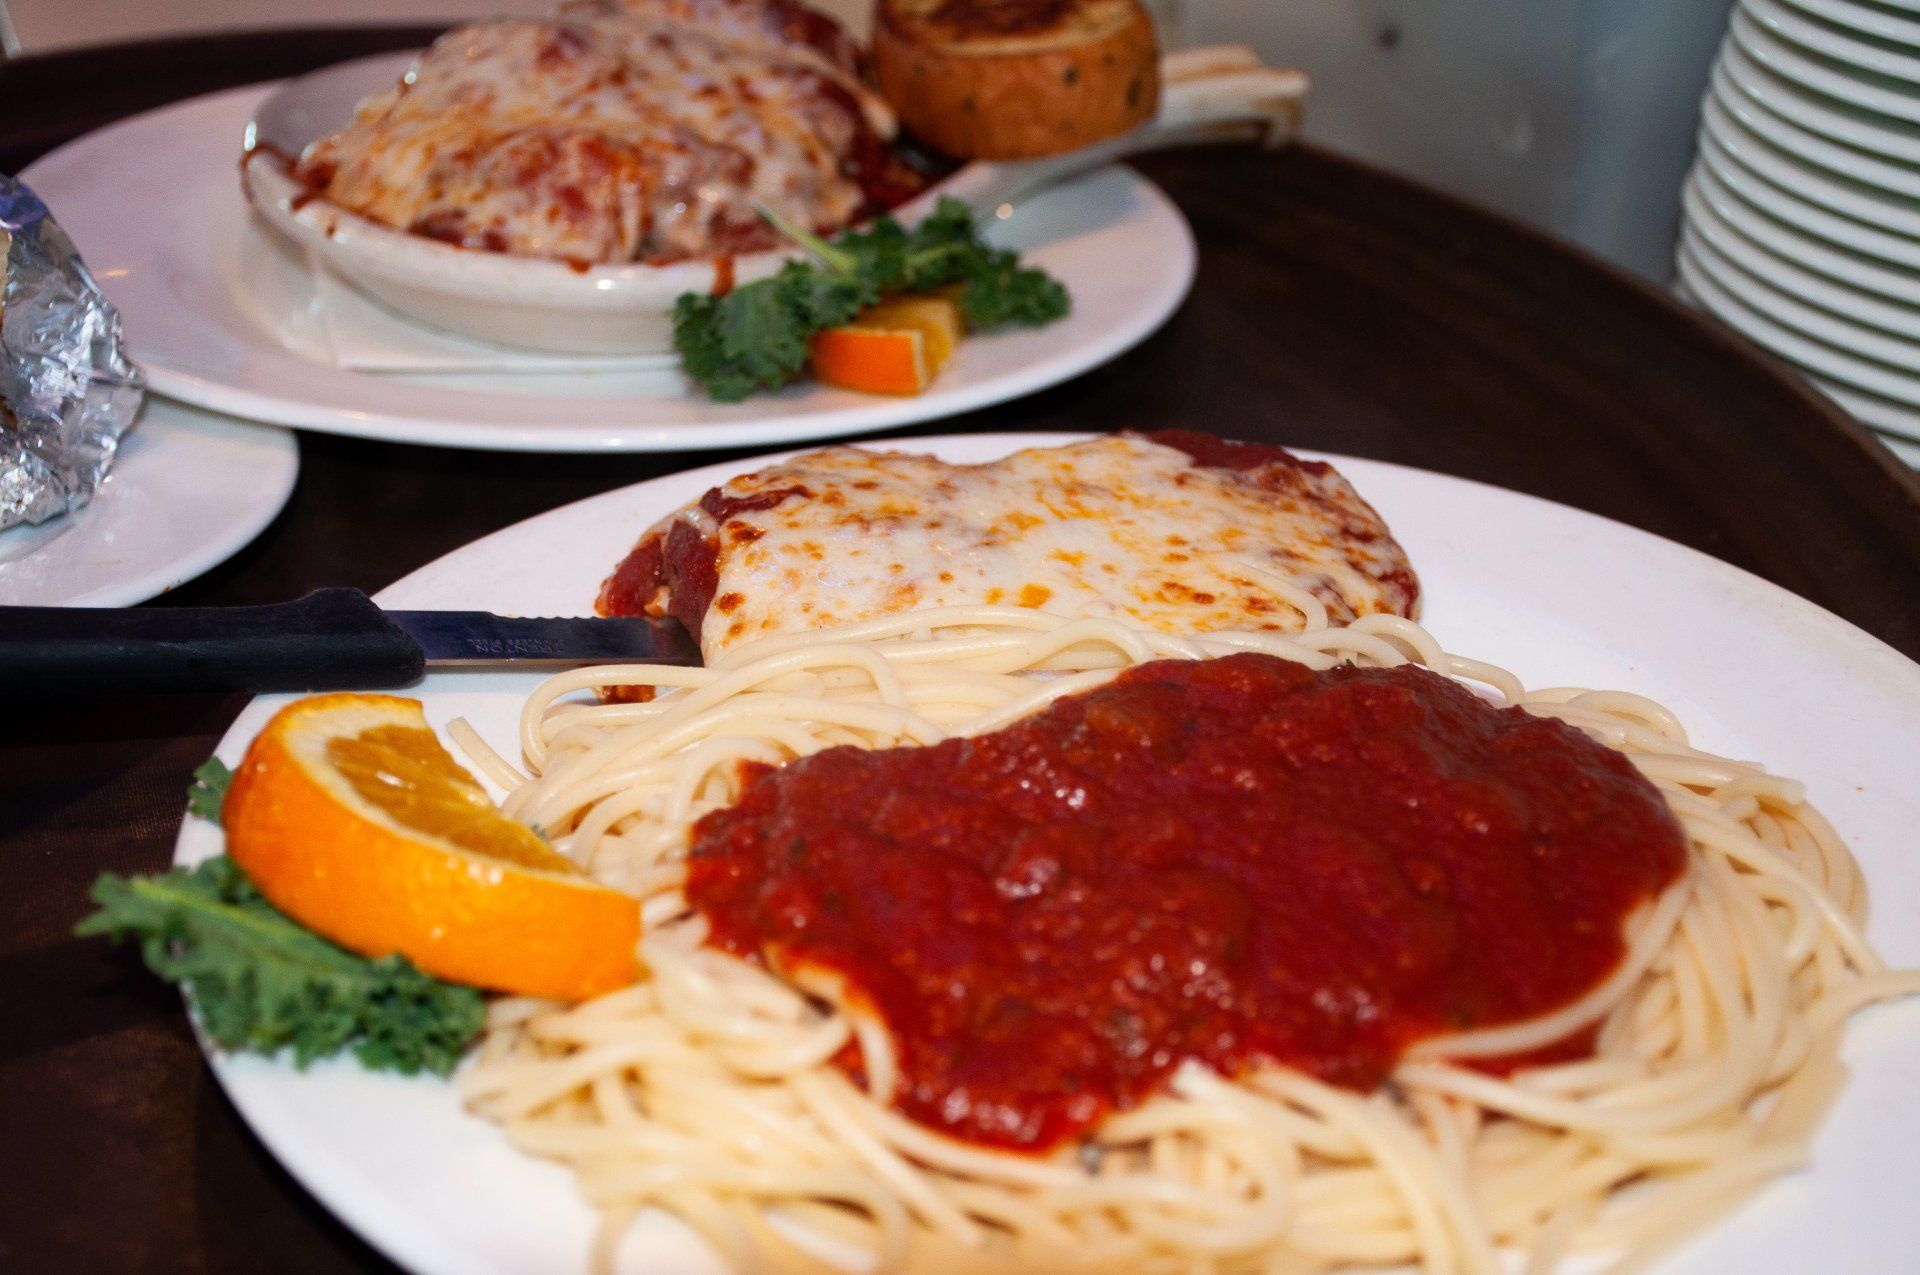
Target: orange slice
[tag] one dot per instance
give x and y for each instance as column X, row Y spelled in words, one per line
column 350, row 817
column 895, row 347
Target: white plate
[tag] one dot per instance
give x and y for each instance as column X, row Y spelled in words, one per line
column 1867, row 54
column 1705, row 191
column 1904, row 449
column 1703, row 222
column 203, row 290
column 1900, row 178
column 1838, row 120
column 1884, row 94
column 188, row 490
column 1560, row 596
column 1784, row 306
column 1867, row 18
column 1758, row 324
column 1795, row 211
column 1879, row 209
column 1891, row 420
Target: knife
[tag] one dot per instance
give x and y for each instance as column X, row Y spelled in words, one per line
column 332, row 639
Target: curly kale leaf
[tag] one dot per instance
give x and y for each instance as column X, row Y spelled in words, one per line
column 260, row 981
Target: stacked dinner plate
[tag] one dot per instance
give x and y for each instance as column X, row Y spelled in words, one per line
column 1801, row 220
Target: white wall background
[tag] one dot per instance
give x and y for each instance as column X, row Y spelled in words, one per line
column 1574, row 115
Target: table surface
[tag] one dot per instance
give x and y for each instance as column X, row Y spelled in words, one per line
column 1337, row 308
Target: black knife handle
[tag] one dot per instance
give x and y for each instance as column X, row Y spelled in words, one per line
column 332, row 639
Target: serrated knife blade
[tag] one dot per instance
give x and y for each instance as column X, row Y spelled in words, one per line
column 483, row 638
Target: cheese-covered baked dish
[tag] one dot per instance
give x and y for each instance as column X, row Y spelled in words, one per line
column 621, row 130
column 1175, row 529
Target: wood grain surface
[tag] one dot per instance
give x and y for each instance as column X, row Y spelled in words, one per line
column 1337, row 308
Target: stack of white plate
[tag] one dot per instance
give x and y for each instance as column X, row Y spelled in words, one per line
column 1801, row 222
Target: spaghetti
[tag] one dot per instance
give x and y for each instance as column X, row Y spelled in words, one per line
column 711, row 1089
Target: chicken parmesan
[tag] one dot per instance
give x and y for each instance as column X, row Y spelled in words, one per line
column 1176, row 530
column 620, row 130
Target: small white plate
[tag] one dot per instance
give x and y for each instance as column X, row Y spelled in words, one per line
column 1793, row 210
column 1897, row 424
column 1884, row 210
column 1899, row 178
column 1868, row 18
column 1706, row 225
column 1885, row 94
column 1559, row 596
column 208, row 298
column 1870, row 55
column 188, row 490
column 1812, row 355
column 1850, row 124
column 1851, row 268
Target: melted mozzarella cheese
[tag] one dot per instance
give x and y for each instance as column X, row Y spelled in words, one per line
column 625, row 132
column 1117, row 526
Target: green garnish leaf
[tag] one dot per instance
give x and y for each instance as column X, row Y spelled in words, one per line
column 756, row 337
column 262, row 982
column 209, row 791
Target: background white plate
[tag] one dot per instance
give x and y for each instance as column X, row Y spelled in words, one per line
column 1811, row 355
column 154, row 203
column 1703, row 223
column 1782, row 305
column 1885, row 94
column 1818, row 112
column 1557, row 595
column 1864, row 17
column 1805, row 144
column 1782, row 21
column 188, row 490
column 1790, row 208
column 1705, row 191
column 1886, row 209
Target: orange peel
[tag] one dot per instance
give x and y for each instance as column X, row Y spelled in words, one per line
column 350, row 817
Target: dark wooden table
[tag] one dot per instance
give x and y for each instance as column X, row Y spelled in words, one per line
column 1337, row 308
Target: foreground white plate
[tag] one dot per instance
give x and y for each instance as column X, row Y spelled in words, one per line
column 188, row 491
column 211, row 302
column 1557, row 595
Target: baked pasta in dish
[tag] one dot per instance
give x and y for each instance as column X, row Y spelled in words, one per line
column 621, row 130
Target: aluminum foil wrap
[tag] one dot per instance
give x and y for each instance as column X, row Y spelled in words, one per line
column 67, row 392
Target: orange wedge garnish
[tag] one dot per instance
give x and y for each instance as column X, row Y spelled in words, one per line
column 350, row 817
column 895, row 347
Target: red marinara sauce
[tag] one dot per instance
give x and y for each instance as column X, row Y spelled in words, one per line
column 1233, row 861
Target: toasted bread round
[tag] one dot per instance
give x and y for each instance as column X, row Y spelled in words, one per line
column 1013, row 79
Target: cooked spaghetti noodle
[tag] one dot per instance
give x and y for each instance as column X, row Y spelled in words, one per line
column 710, row 1089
